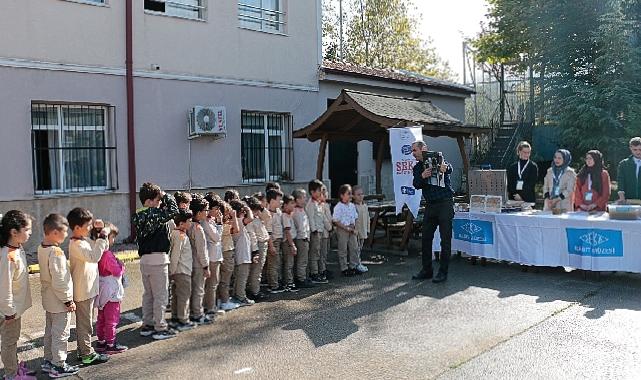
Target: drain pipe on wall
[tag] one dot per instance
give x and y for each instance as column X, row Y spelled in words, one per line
column 131, row 144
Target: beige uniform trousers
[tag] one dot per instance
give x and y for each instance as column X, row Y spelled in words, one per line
column 56, row 337
column 155, row 282
column 211, row 286
column 302, row 258
column 180, row 294
column 274, row 270
column 241, row 275
column 84, row 328
column 347, row 249
column 9, row 335
column 226, row 271
column 255, row 274
column 197, row 291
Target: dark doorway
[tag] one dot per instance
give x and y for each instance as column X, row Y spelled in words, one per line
column 343, row 164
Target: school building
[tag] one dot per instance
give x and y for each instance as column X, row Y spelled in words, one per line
column 99, row 96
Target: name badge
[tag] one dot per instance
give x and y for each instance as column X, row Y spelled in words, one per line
column 556, row 192
column 519, row 185
column 588, row 196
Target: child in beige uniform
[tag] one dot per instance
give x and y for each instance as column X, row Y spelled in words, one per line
column 289, row 246
column 57, row 296
column 314, row 210
column 200, row 256
column 362, row 224
column 230, row 227
column 84, row 256
column 275, row 270
column 325, row 241
column 258, row 228
column 301, row 221
column 15, row 293
column 180, row 268
column 213, row 227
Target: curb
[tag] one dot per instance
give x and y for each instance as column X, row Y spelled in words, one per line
column 124, row 256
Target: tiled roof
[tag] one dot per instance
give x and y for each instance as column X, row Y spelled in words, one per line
column 394, row 76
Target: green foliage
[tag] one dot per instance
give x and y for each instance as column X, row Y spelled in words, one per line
column 590, row 55
column 381, row 34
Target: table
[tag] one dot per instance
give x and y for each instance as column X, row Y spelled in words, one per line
column 382, row 209
column 576, row 240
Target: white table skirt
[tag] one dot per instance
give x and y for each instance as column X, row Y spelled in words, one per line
column 574, row 240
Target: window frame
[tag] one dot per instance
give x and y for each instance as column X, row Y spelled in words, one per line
column 202, row 10
column 286, row 151
column 109, row 147
column 263, row 19
column 97, row 3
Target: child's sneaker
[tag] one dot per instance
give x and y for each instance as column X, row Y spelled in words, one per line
column 94, row 358
column 349, row 272
column 184, row 326
column 229, row 306
column 202, row 320
column 25, row 373
column 64, row 370
column 258, row 297
column 318, row 279
column 278, row 289
column 328, row 275
column 305, row 284
column 147, row 330
column 46, row 366
column 291, row 288
column 244, row 302
column 165, row 334
column 115, row 348
column 361, row 268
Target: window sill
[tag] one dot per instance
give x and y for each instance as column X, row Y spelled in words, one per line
column 282, row 34
column 75, row 195
column 87, row 2
column 153, row 13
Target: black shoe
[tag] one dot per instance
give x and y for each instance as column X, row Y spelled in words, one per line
column 258, row 297
column 423, row 275
column 318, row 279
column 348, row 273
column 307, row 284
column 328, row 275
column 440, row 277
column 292, row 288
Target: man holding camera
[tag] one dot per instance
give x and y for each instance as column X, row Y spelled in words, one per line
column 433, row 175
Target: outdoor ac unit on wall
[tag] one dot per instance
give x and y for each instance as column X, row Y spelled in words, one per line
column 207, row 121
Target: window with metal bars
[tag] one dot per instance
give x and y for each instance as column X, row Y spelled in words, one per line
column 266, row 147
column 194, row 9
column 262, row 15
column 74, row 148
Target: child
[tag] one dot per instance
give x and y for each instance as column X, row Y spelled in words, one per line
column 344, row 218
column 262, row 237
column 110, row 295
column 84, row 256
column 314, row 210
column 266, row 219
column 328, row 226
column 272, row 186
column 180, row 268
column 200, row 260
column 15, row 292
column 301, row 240
column 213, row 227
column 362, row 224
column 230, row 227
column 289, row 247
column 246, row 248
column 57, row 296
column 231, row 195
column 152, row 236
column 183, row 199
column 274, row 260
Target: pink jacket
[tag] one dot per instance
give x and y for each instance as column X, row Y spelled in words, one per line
column 110, row 282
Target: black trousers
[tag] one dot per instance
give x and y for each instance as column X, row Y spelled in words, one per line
column 438, row 214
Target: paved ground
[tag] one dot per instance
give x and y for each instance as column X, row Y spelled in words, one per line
column 485, row 322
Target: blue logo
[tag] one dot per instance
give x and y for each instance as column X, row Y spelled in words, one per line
column 594, row 242
column 474, row 231
column 408, row 190
column 406, row 150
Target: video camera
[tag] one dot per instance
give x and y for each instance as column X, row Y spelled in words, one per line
column 432, row 160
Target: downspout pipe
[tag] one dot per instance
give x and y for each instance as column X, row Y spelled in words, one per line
column 131, row 144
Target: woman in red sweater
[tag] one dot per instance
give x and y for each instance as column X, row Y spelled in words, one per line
column 592, row 190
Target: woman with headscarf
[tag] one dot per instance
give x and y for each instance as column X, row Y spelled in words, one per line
column 559, row 183
column 592, row 185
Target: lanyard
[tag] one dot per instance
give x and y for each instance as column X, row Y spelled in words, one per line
column 589, row 182
column 557, row 178
column 521, row 171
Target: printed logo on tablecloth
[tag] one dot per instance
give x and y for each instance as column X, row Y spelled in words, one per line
column 474, row 231
column 594, row 242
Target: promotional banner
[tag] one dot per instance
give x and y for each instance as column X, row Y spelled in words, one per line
column 401, row 140
column 473, row 231
column 594, row 242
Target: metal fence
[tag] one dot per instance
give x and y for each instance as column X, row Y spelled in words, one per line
column 74, row 148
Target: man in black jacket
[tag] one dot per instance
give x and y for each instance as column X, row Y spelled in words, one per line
column 152, row 236
column 439, row 212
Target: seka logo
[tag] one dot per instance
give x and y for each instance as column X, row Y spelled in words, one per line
column 471, row 228
column 593, row 239
column 408, row 190
column 406, row 150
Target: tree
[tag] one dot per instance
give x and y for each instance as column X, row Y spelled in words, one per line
column 588, row 54
column 381, row 34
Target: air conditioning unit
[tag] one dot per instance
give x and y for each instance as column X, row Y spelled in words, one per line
column 207, row 121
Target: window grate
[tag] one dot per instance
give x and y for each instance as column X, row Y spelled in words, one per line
column 266, row 147
column 74, row 148
column 193, row 9
column 262, row 15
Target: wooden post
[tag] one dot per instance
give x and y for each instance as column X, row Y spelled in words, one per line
column 321, row 158
column 466, row 160
column 379, row 164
